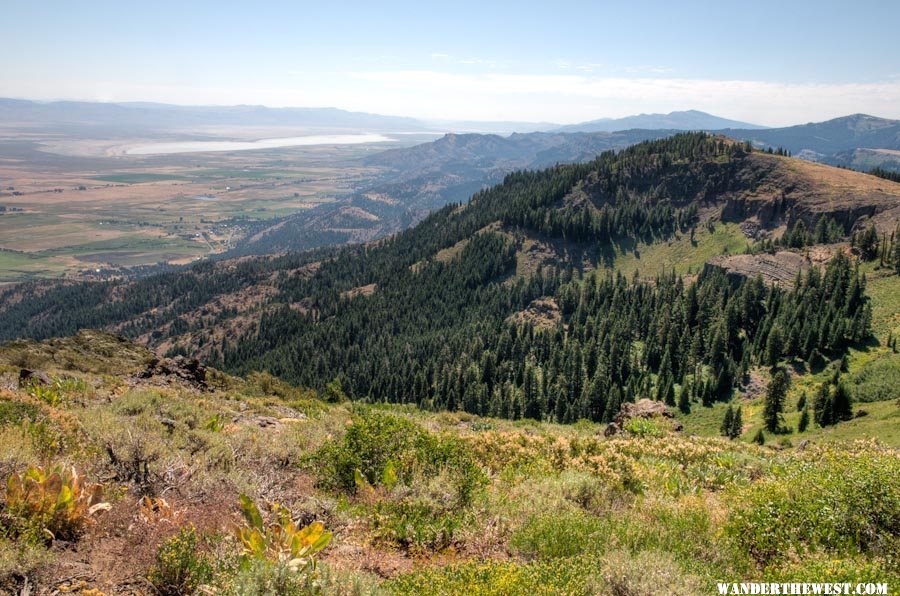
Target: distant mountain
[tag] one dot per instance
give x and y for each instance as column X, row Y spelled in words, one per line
column 859, row 141
column 687, row 120
column 500, row 127
column 518, row 150
column 139, row 116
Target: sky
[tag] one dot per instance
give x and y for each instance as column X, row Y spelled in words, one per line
column 771, row 63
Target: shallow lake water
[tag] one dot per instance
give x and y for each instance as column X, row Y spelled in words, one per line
column 198, row 146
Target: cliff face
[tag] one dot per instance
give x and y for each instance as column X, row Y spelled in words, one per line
column 779, row 191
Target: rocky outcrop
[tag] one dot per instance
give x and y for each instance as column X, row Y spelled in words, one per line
column 643, row 408
column 778, row 269
column 187, row 370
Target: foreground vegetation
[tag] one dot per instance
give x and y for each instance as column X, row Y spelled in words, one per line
column 251, row 486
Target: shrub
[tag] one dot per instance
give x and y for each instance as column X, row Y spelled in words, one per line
column 51, row 504
column 561, row 534
column 418, row 526
column 645, row 574
column 180, row 566
column 852, row 570
column 843, row 500
column 555, row 577
column 377, row 443
column 262, row 578
column 19, row 561
column 642, row 427
column 879, row 380
column 14, row 412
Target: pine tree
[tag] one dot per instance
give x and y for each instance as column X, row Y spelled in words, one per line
column 760, row 437
column 801, row 402
column 774, row 405
column 684, row 399
column 774, row 346
column 804, row 420
column 822, row 409
column 840, row 404
column 670, row 394
column 737, row 424
column 727, row 422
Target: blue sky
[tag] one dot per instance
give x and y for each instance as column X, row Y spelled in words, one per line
column 773, row 63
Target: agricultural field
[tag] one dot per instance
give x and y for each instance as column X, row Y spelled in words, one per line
column 89, row 211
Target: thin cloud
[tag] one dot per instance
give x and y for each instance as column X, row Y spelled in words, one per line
column 568, row 97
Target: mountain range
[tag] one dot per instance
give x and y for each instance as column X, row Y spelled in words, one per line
column 147, row 116
column 685, row 120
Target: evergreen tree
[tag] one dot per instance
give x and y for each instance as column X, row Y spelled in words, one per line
column 737, row 424
column 774, row 404
column 727, row 422
column 822, row 406
column 804, row 420
column 684, row 399
column 840, row 404
column 774, row 346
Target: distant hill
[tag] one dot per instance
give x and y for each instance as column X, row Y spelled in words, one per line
column 517, row 150
column 686, row 120
column 859, row 141
column 417, row 180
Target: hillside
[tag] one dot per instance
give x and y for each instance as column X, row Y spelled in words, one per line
column 420, row 179
column 393, row 500
column 859, row 141
column 433, row 328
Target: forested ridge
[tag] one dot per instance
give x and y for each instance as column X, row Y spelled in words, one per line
column 438, row 334
column 441, row 332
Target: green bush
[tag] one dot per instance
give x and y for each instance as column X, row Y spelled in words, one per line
column 417, row 526
column 376, row 443
column 14, row 412
column 846, row 501
column 180, row 566
column 642, row 427
column 558, row 534
column 852, row 570
column 877, row 381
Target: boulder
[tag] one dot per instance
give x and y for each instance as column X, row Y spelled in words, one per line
column 27, row 377
column 189, row 370
column 643, row 408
